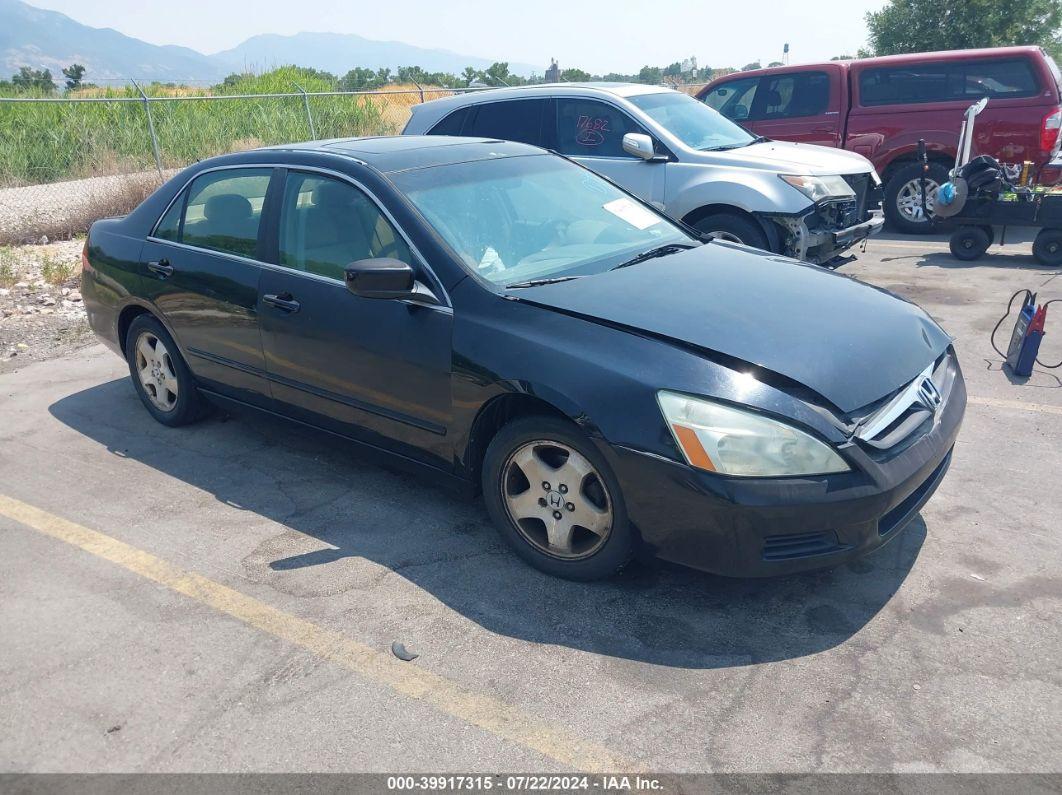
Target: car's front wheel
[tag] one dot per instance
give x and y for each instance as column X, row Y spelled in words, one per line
column 734, row 228
column 555, row 500
column 160, row 376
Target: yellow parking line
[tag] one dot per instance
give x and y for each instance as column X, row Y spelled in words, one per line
column 486, row 712
column 1042, row 408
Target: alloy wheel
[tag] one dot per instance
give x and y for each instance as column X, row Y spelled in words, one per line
column 909, row 200
column 556, row 499
column 154, row 366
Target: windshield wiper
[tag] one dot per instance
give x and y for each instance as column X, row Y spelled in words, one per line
column 759, row 139
column 540, row 282
column 659, row 251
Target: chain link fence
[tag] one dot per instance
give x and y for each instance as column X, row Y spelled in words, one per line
column 67, row 161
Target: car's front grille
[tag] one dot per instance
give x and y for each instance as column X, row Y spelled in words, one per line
column 800, row 545
column 860, row 183
column 910, row 410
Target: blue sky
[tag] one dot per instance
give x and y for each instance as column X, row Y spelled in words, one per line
column 597, row 36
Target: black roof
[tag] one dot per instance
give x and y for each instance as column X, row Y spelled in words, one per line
column 406, row 152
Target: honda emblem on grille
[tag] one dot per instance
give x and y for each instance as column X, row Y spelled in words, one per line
column 929, row 395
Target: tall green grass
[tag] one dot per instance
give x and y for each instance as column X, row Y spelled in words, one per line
column 48, row 142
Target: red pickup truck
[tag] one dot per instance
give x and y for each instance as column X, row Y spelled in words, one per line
column 880, row 107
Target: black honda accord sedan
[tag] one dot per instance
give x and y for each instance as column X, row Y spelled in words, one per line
column 506, row 320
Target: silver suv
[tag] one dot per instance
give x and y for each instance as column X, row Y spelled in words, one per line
column 804, row 201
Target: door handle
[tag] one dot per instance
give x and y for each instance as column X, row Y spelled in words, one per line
column 284, row 302
column 162, row 268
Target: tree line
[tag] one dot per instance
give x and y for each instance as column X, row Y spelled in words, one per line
column 901, row 26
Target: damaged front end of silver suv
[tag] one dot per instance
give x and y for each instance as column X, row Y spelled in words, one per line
column 822, row 232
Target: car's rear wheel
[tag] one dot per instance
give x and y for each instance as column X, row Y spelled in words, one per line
column 160, row 376
column 555, row 501
column 903, row 197
column 734, row 228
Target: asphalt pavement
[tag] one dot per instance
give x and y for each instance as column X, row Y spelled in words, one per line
column 224, row 597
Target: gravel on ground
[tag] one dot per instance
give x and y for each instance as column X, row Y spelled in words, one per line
column 41, row 312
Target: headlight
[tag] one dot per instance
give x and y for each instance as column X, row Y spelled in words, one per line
column 819, row 188
column 730, row 441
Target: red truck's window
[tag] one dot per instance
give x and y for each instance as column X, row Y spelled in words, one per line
column 947, row 81
column 792, row 95
column 734, row 99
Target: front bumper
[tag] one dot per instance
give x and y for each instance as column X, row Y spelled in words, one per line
column 815, row 239
column 756, row 527
column 853, row 234
column 824, row 244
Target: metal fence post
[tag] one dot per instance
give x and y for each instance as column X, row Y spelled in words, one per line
column 420, row 88
column 309, row 116
column 151, row 128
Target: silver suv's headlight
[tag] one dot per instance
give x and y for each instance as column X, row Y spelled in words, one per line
column 730, row 441
column 819, row 188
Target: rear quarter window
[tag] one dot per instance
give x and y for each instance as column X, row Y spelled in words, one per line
column 945, row 81
column 452, row 124
column 513, row 120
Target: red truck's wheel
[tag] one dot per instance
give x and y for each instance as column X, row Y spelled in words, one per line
column 903, row 197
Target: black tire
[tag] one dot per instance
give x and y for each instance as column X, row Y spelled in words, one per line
column 1047, row 248
column 189, row 405
column 735, row 228
column 619, row 544
column 893, row 188
column 970, row 242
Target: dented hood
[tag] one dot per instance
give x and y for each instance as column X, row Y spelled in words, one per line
column 847, row 341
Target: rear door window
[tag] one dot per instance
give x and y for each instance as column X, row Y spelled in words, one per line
column 734, row 99
column 792, row 95
column 589, row 128
column 224, row 210
column 948, row 81
column 515, row 120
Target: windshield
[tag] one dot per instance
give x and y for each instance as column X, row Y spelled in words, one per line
column 517, row 219
column 692, row 122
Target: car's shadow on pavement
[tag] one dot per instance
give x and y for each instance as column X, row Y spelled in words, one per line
column 334, row 506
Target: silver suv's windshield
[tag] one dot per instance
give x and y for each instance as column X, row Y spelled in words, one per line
column 692, row 122
column 531, row 217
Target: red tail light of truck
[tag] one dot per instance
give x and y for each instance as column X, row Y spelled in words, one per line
column 1049, row 128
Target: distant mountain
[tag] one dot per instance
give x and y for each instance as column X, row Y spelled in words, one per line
column 49, row 40
column 43, row 39
column 339, row 52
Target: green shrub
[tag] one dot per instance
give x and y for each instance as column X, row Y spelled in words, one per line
column 52, row 141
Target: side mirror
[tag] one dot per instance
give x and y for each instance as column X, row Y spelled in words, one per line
column 387, row 278
column 380, row 278
column 639, row 145
column 740, row 113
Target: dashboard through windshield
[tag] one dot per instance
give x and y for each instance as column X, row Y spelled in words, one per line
column 516, row 219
